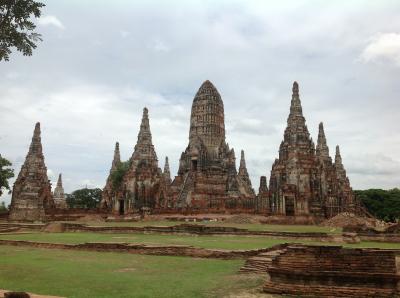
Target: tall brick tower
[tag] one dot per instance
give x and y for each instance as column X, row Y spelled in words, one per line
column 32, row 190
column 207, row 176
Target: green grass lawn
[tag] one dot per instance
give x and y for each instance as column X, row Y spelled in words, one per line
column 217, row 242
column 94, row 274
column 252, row 227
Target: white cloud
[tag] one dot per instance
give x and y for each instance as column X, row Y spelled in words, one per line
column 50, row 173
column 383, row 47
column 50, row 20
column 124, row 33
column 88, row 90
column 158, row 45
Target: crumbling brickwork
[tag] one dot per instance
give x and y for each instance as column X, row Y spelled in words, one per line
column 304, row 181
column 144, row 186
column 31, row 194
column 207, row 176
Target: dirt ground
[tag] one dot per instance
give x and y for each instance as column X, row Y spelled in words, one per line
column 349, row 219
column 2, row 292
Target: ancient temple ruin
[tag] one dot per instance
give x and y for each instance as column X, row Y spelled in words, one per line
column 59, row 196
column 139, row 183
column 109, row 191
column 207, row 176
column 304, row 181
column 31, row 194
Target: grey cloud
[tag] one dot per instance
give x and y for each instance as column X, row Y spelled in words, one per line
column 88, row 84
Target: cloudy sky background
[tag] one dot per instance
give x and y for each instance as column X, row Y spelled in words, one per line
column 101, row 62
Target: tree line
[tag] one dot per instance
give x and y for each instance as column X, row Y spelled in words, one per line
column 383, row 204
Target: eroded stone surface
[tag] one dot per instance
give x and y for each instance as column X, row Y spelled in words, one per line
column 304, row 181
column 143, row 185
column 333, row 271
column 32, row 189
column 207, row 176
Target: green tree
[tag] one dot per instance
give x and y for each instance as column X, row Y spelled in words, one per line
column 17, row 28
column 384, row 204
column 118, row 174
column 5, row 173
column 88, row 198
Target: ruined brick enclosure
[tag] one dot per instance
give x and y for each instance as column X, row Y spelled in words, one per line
column 304, row 181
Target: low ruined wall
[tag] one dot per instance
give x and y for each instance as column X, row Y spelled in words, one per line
column 317, row 270
column 191, row 229
column 22, row 226
column 390, row 234
column 160, row 250
column 205, row 230
column 291, row 220
column 72, row 214
column 193, row 211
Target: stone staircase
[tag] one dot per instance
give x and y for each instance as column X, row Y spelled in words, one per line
column 260, row 263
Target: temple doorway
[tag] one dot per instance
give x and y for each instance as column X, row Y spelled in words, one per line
column 289, row 206
column 121, row 207
column 194, row 164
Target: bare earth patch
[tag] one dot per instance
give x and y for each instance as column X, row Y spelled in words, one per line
column 2, row 292
column 253, row 289
column 125, row 270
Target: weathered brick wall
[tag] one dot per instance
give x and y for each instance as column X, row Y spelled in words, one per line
column 334, row 271
column 162, row 250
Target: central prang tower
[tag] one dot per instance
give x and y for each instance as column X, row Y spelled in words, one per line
column 207, row 118
column 207, row 176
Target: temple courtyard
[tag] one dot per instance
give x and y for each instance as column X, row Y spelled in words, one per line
column 29, row 262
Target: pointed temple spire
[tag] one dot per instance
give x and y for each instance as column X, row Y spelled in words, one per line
column 322, row 149
column 58, row 194
column 36, row 144
column 338, row 157
column 263, row 185
column 242, row 166
column 144, row 132
column 117, row 157
column 167, row 172
column 144, row 149
column 244, row 175
column 296, row 121
column 32, row 190
column 59, row 181
column 340, row 170
column 59, row 190
column 296, row 138
column 295, row 105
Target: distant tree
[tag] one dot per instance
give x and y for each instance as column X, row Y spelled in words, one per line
column 16, row 26
column 384, row 204
column 87, row 198
column 5, row 174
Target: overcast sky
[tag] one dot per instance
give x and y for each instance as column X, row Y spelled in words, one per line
column 101, row 62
